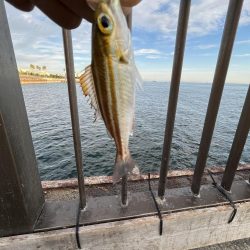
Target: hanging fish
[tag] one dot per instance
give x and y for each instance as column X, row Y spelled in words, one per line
column 110, row 81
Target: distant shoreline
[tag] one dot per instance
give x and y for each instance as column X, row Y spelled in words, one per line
column 40, row 82
column 28, row 79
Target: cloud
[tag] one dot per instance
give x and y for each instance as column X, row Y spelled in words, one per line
column 153, row 57
column 152, row 54
column 205, row 16
column 38, row 40
column 149, row 16
column 243, row 55
column 245, row 15
column 208, row 54
column 243, row 42
column 142, row 52
column 206, row 46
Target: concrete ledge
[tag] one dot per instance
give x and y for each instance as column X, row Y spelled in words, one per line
column 189, row 222
column 103, row 209
column 182, row 230
column 98, row 180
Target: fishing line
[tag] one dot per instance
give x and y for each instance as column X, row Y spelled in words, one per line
column 225, row 194
column 77, row 226
column 156, row 205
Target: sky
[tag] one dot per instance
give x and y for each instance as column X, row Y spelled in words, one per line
column 37, row 40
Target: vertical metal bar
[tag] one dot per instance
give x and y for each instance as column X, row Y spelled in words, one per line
column 124, row 183
column 68, row 51
column 174, row 90
column 238, row 145
column 230, row 28
column 124, row 191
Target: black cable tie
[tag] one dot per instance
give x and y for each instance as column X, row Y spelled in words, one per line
column 225, row 194
column 77, row 226
column 156, row 205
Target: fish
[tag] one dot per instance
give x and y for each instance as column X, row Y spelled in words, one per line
column 111, row 80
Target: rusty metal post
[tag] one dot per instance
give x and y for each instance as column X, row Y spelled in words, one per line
column 230, row 28
column 70, row 71
column 174, row 91
column 21, row 195
column 238, row 145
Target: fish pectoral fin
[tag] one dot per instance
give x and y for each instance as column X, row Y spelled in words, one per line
column 88, row 88
column 138, row 78
column 124, row 57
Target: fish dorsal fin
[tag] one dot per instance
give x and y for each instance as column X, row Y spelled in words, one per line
column 88, row 88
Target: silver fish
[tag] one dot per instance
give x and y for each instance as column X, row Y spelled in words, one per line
column 110, row 81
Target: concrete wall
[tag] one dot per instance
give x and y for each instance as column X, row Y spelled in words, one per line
column 182, row 230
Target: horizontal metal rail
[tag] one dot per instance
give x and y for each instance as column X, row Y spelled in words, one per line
column 231, row 24
column 70, row 72
column 174, row 91
column 238, row 145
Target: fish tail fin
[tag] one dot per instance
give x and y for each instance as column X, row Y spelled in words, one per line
column 124, row 167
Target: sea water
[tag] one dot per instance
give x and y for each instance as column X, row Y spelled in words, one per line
column 48, row 111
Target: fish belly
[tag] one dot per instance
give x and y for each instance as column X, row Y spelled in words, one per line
column 116, row 98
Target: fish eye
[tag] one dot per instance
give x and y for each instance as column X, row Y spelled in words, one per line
column 105, row 21
column 105, row 24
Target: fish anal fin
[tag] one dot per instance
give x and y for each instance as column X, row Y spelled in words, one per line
column 131, row 132
column 88, row 88
column 138, row 78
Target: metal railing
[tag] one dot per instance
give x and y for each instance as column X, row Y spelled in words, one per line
column 230, row 28
column 231, row 23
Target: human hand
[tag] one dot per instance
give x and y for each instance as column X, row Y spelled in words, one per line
column 65, row 13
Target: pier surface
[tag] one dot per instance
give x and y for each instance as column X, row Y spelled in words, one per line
column 203, row 228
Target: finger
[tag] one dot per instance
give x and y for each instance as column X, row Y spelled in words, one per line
column 81, row 8
column 24, row 5
column 129, row 3
column 59, row 13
